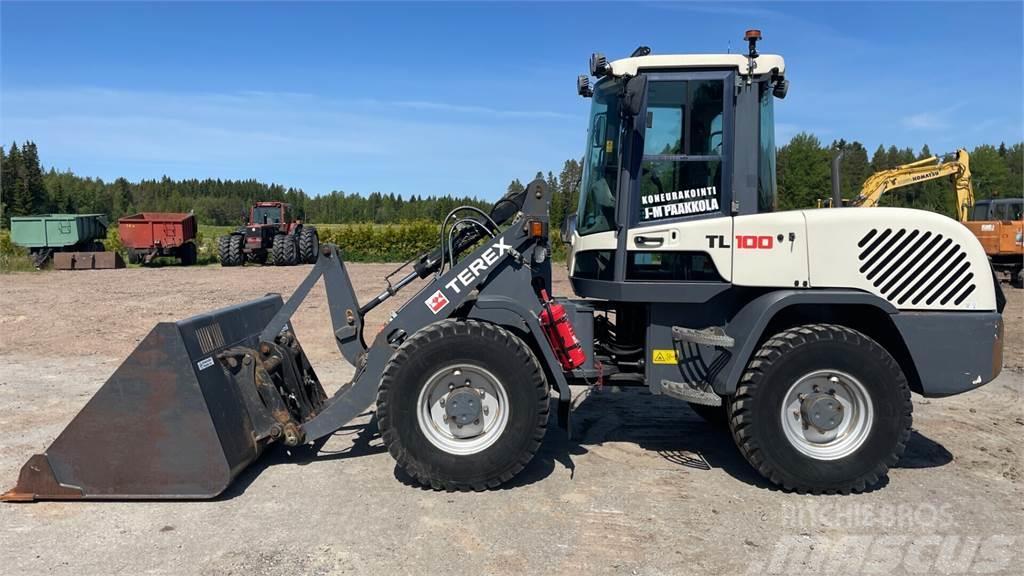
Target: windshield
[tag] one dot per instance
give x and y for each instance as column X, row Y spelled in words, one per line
column 601, row 162
column 266, row 215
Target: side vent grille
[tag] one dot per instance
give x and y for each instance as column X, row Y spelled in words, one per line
column 210, row 338
column 914, row 267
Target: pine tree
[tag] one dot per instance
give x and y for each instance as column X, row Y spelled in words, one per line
column 122, row 198
column 515, row 187
column 35, row 189
column 806, row 173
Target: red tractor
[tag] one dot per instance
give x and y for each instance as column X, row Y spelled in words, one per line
column 271, row 230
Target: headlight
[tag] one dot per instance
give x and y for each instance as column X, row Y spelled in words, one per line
column 1019, row 238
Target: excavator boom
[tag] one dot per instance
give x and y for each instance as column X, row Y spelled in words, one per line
column 931, row 168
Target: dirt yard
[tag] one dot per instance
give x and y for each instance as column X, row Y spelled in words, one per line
column 644, row 487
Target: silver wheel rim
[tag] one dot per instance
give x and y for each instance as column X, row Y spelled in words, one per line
column 853, row 427
column 432, row 418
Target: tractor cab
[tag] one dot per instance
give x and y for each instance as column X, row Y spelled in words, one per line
column 672, row 140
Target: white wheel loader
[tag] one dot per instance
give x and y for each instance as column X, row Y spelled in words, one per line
column 804, row 331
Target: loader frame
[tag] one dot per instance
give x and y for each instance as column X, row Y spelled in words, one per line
column 499, row 278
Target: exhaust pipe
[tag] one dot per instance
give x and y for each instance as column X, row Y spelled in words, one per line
column 837, row 194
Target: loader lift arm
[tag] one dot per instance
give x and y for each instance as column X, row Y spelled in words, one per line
column 931, row 168
column 200, row 399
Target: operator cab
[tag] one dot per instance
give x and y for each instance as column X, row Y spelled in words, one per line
column 672, row 139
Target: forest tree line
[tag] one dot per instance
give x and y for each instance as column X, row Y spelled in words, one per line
column 803, row 175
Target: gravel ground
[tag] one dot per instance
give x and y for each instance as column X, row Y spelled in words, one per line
column 645, row 486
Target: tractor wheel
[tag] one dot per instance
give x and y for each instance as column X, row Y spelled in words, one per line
column 286, row 251
column 309, row 245
column 1017, row 278
column 259, row 256
column 463, row 405
column 716, row 416
column 134, row 257
column 822, row 409
column 229, row 250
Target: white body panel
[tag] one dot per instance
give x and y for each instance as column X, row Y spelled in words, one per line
column 599, row 241
column 931, row 249
column 763, row 63
column 770, row 250
column 687, row 236
column 914, row 259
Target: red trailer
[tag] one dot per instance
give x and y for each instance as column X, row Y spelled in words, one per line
column 147, row 235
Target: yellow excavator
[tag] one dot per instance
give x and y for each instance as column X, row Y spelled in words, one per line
column 922, row 170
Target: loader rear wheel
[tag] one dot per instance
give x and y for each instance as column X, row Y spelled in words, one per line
column 309, row 245
column 463, row 405
column 285, row 250
column 822, row 408
column 229, row 250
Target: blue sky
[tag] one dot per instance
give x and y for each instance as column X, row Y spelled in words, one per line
column 436, row 98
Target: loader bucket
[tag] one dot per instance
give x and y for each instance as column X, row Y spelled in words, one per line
column 172, row 422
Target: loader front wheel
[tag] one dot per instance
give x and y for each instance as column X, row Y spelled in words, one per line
column 463, row 405
column 822, row 408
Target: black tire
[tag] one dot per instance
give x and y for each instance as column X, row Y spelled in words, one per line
column 716, row 416
column 258, row 256
column 187, row 254
column 309, row 245
column 134, row 257
column 782, row 360
column 229, row 250
column 1017, row 278
column 448, row 343
column 286, row 252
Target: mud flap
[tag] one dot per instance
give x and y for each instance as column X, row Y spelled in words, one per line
column 172, row 422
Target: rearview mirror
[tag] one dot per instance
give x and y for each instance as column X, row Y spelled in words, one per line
column 633, row 99
column 568, row 228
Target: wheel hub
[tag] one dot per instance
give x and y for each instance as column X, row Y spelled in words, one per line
column 827, row 414
column 822, row 411
column 463, row 408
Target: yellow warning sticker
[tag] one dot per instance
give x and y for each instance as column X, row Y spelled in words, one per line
column 609, row 146
column 664, row 356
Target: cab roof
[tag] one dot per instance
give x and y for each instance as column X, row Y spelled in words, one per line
column 630, row 66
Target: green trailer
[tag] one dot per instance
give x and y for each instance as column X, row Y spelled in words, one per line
column 46, row 234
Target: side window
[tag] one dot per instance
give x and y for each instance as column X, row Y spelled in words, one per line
column 1016, row 210
column 682, row 168
column 980, row 212
column 1002, row 211
column 766, row 155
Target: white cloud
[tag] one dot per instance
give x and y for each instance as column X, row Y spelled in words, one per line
column 931, row 120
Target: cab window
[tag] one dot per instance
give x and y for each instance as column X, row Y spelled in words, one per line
column 596, row 211
column 683, row 140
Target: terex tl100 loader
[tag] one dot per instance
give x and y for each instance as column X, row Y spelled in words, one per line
column 806, row 330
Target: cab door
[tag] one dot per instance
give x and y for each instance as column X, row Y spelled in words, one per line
column 680, row 205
